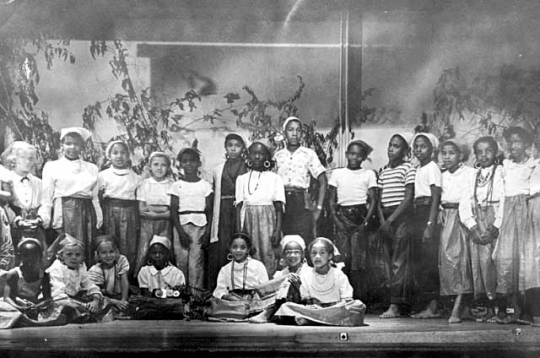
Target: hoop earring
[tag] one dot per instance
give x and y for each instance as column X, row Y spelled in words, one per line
column 249, row 163
column 267, row 164
column 226, row 155
column 477, row 165
column 229, row 256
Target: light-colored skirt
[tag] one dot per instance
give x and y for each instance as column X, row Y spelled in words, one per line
column 529, row 265
column 259, row 223
column 506, row 254
column 454, row 265
column 341, row 314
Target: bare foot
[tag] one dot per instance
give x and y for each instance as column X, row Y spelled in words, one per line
column 260, row 318
column 498, row 318
column 301, row 321
column 466, row 314
column 453, row 319
column 392, row 312
column 427, row 313
column 490, row 314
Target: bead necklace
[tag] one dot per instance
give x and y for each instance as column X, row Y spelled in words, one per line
column 244, row 276
column 256, row 185
column 323, row 284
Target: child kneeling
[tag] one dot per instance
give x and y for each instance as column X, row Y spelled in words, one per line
column 326, row 292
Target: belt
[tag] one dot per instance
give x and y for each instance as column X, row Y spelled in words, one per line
column 225, row 197
column 535, row 195
column 423, row 201
column 120, row 202
column 450, row 205
column 191, row 212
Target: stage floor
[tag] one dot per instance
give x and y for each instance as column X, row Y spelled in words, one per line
column 402, row 337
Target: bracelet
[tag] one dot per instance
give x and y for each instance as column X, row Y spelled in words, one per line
column 319, row 207
column 429, row 223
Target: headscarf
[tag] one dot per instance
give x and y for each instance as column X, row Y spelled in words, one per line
column 367, row 148
column 111, row 145
column 406, row 136
column 156, row 239
column 430, row 136
column 28, row 240
column 463, row 148
column 83, row 132
column 266, row 143
column 336, row 251
column 292, row 238
column 235, row 136
column 189, row 150
column 289, row 119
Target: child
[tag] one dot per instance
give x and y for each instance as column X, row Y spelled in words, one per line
column 70, row 192
column 6, row 242
column 154, row 202
column 425, row 248
column 259, row 203
column 326, row 291
column 159, row 273
column 480, row 210
column 350, row 191
column 110, row 274
column 454, row 259
column 224, row 220
column 530, row 264
column 396, row 185
column 117, row 186
column 28, row 289
column 296, row 165
column 191, row 213
column 517, row 175
column 27, row 195
column 74, row 293
column 293, row 251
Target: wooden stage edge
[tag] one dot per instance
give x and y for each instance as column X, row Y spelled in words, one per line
column 397, row 337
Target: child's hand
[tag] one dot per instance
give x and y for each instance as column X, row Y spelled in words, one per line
column 493, row 231
column 204, row 241
column 93, row 306
column 294, row 279
column 386, row 225
column 428, row 233
column 184, row 239
column 274, row 239
column 231, row 297
column 339, row 225
column 120, row 304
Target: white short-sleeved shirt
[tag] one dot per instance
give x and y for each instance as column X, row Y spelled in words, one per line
column 455, row 185
column 118, row 183
column 259, row 188
column 426, row 176
column 517, row 176
column 329, row 288
column 296, row 168
column 154, row 192
column 191, row 197
column 152, row 279
column 352, row 185
column 66, row 281
column 27, row 191
column 392, row 182
column 252, row 270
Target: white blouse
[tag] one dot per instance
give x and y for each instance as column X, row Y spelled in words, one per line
column 455, row 185
column 517, row 177
column 118, row 183
column 247, row 275
column 329, row 288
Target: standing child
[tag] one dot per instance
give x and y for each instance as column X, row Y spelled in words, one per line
column 518, row 169
column 425, row 248
column 260, row 198
column 110, row 274
column 326, row 292
column 296, row 165
column 28, row 290
column 480, row 210
column 6, row 241
column 396, row 185
column 352, row 203
column 74, row 293
column 454, row 258
column 159, row 274
column 191, row 212
column 154, row 205
column 26, row 195
column 529, row 267
column 117, row 186
column 224, row 221
column 70, row 202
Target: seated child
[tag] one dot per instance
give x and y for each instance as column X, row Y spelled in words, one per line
column 73, row 292
column 237, row 281
column 110, row 274
column 325, row 291
column 293, row 250
column 28, row 291
column 159, row 275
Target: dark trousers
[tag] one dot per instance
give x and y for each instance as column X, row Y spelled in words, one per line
column 297, row 219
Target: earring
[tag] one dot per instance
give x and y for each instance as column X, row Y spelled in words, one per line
column 229, row 257
column 226, row 155
column 249, row 163
column 477, row 165
column 267, row 164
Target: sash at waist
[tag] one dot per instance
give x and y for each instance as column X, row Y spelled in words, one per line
column 120, row 202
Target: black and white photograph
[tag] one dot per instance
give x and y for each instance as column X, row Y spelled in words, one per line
column 270, row 178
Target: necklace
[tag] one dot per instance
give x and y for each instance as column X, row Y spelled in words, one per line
column 481, row 179
column 244, row 276
column 256, row 185
column 322, row 284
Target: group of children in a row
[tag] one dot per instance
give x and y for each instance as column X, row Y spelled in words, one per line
column 191, row 224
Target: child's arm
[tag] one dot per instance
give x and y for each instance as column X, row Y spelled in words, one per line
column 323, row 182
column 332, row 199
column 11, row 286
column 205, row 239
column 400, row 210
column 183, row 236
column 436, row 201
column 372, row 196
column 278, row 205
column 6, row 251
column 97, row 205
column 6, row 194
column 239, row 216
